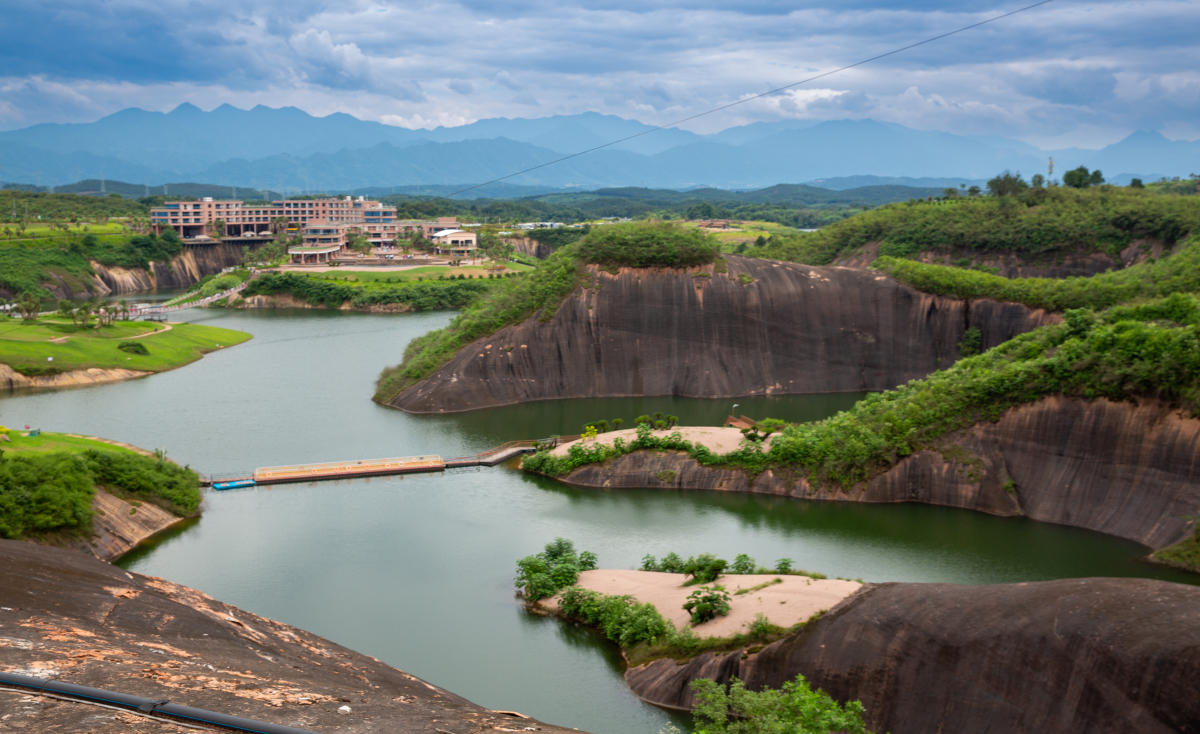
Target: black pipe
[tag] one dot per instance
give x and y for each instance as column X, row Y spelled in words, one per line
column 144, row 705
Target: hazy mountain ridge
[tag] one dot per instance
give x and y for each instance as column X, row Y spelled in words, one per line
column 287, row 148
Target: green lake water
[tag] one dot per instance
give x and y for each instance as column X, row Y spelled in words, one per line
column 417, row 571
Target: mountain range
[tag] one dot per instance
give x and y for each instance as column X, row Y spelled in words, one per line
column 287, row 149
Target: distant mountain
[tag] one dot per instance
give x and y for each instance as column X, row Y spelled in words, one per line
column 289, row 149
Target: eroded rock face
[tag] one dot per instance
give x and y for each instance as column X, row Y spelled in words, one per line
column 10, row 379
column 1119, row 468
column 186, row 268
column 761, row 328
column 96, row 625
column 1054, row 657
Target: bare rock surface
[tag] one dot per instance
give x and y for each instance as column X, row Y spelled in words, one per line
column 763, row 327
column 10, row 379
column 1119, row 656
column 87, row 622
column 1130, row 470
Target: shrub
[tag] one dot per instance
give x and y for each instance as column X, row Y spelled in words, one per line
column 44, row 492
column 556, row 567
column 743, row 564
column 133, row 348
column 972, row 342
column 707, row 602
column 174, row 487
column 794, row 707
column 622, row 619
column 784, row 565
column 219, row 284
column 704, row 568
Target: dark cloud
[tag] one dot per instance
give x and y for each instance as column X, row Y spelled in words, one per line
column 1125, row 66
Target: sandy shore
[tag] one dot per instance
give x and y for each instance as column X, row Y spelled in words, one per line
column 793, row 600
column 718, row 440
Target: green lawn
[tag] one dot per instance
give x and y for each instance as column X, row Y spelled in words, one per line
column 51, row 327
column 48, row 442
column 182, row 344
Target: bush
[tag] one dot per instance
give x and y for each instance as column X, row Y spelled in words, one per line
column 793, row 708
column 622, row 619
column 219, row 284
column 743, row 564
column 555, row 568
column 707, row 602
column 44, row 492
column 174, row 487
column 133, row 348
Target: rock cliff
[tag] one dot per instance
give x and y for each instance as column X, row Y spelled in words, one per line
column 531, row 247
column 1054, row 657
column 1118, row 468
column 763, row 327
column 91, row 623
column 184, row 269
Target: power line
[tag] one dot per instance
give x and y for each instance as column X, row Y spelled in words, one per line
column 751, row 99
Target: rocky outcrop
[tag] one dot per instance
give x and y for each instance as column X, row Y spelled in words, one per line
column 10, row 379
column 1055, row 657
column 186, row 268
column 530, row 247
column 1130, row 470
column 763, row 327
column 120, row 526
column 1014, row 265
column 91, row 623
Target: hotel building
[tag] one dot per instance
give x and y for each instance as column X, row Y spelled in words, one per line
column 193, row 219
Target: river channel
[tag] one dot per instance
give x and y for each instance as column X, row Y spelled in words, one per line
column 417, row 571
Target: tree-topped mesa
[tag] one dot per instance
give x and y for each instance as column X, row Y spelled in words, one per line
column 648, row 245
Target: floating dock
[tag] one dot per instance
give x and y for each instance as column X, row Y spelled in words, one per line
column 375, row 467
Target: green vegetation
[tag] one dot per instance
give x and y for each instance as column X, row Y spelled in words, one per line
column 418, row 296
column 1037, row 223
column 795, row 708
column 23, row 349
column 622, row 619
column 707, row 602
column 47, row 483
column 45, row 207
column 705, row 568
column 647, row 245
column 1186, row 553
column 555, row 568
column 1150, row 349
column 25, row 267
column 1176, row 273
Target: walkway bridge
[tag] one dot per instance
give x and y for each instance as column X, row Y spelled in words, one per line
column 376, row 467
column 159, row 313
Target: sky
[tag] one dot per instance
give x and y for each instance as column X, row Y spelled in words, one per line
column 1068, row 73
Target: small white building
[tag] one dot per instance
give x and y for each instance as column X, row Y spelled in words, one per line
column 455, row 242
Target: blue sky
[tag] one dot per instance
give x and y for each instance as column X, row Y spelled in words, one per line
column 1069, row 73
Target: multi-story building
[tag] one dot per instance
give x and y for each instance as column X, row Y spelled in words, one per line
column 193, row 219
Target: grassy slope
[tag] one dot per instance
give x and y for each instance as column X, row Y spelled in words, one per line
column 1037, row 226
column 183, row 344
column 428, row 272
column 48, row 442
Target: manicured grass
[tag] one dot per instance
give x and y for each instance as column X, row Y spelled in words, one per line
column 183, row 344
column 50, row 327
column 48, row 442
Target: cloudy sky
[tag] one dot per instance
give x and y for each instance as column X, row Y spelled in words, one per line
column 1068, row 73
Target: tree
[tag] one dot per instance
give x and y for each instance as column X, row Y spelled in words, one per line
column 28, row 306
column 219, row 227
column 973, row 191
column 358, row 242
column 1081, row 178
column 1136, row 184
column 1038, row 181
column 1007, row 184
column 795, row 708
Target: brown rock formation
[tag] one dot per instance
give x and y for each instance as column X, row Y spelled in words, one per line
column 286, row 300
column 10, row 379
column 531, row 247
column 1119, row 468
column 94, row 624
column 762, row 328
column 1102, row 656
column 184, row 269
column 120, row 526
